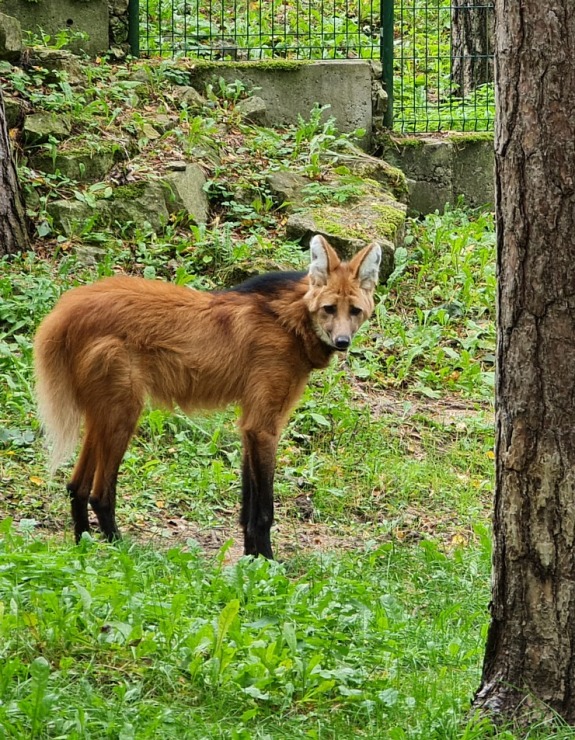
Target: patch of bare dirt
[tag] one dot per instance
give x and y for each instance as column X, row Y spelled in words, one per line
column 446, row 410
column 295, row 532
column 289, row 537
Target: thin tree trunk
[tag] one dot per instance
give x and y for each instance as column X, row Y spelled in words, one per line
column 13, row 226
column 530, row 652
column 472, row 37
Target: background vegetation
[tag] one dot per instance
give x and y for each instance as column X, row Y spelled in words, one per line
column 425, row 94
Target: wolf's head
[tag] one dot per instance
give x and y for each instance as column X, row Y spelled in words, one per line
column 340, row 294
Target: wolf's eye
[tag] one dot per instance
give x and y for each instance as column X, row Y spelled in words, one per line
column 330, row 309
column 354, row 311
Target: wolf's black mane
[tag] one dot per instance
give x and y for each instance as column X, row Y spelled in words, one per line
column 269, row 283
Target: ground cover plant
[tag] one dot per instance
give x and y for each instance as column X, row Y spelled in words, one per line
column 374, row 622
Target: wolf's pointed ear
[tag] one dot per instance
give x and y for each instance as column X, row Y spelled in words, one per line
column 323, row 260
column 365, row 266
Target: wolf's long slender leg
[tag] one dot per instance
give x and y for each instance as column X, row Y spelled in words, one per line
column 113, row 441
column 257, row 488
column 80, row 483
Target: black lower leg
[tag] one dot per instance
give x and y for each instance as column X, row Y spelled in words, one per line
column 79, row 505
column 106, row 519
column 257, row 488
column 250, row 547
column 105, row 510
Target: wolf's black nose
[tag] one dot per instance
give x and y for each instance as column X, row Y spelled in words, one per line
column 342, row 342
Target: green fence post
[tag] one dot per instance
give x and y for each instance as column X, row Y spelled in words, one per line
column 134, row 27
column 386, row 53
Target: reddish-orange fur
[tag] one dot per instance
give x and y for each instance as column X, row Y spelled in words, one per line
column 108, row 347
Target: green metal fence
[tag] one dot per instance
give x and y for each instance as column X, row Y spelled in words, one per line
column 443, row 65
column 260, row 29
column 436, row 54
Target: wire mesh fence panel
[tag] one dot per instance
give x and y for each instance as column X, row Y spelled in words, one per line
column 443, row 65
column 442, row 49
column 260, row 29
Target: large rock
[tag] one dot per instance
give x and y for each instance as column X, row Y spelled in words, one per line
column 130, row 206
column 185, row 192
column 59, row 64
column 302, row 226
column 133, row 205
column 69, row 217
column 10, row 38
column 83, row 165
column 375, row 216
column 349, row 210
column 390, row 177
column 40, row 127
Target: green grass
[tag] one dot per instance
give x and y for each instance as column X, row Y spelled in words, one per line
column 437, row 329
column 130, row 641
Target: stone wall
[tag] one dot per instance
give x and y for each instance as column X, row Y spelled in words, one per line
column 440, row 169
column 105, row 21
column 119, row 27
column 351, row 88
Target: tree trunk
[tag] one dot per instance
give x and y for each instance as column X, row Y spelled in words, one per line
column 530, row 652
column 472, row 32
column 13, row 226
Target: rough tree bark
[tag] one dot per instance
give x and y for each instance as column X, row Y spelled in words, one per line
column 13, row 226
column 530, row 652
column 472, row 38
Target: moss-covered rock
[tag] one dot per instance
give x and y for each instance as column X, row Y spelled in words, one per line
column 139, row 203
column 41, row 127
column 387, row 175
column 70, row 217
column 351, row 227
column 391, row 221
column 85, row 164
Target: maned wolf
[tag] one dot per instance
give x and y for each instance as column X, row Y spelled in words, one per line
column 107, row 347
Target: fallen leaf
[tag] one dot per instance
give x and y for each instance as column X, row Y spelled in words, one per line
column 458, row 540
